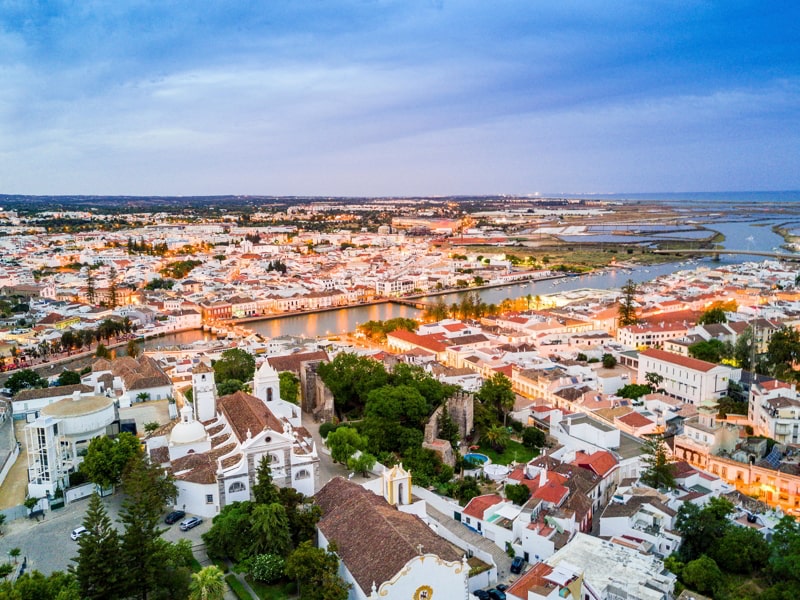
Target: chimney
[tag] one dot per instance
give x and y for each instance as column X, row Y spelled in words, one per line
column 76, row 395
column 543, row 476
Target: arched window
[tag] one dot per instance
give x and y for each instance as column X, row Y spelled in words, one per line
column 236, row 486
column 302, row 474
column 269, row 394
column 273, row 458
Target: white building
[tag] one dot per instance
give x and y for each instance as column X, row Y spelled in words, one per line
column 214, row 449
column 55, row 440
column 685, row 378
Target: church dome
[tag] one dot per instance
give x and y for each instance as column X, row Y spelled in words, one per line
column 188, row 430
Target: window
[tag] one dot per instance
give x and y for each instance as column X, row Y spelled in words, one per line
column 209, row 498
column 236, row 486
column 302, row 474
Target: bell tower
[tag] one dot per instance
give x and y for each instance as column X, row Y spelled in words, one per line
column 204, row 392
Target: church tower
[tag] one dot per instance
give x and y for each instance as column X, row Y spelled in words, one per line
column 204, row 391
column 266, row 383
column 397, row 485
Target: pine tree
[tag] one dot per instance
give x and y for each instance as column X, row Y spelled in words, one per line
column 264, row 491
column 660, row 472
column 142, row 550
column 627, row 311
column 96, row 570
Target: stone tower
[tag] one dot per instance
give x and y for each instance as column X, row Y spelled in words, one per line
column 204, row 392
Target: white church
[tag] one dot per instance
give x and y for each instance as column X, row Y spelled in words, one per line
column 213, row 450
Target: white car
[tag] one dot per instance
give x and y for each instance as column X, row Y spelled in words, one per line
column 78, row 532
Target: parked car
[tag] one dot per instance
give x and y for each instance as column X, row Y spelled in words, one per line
column 481, row 594
column 502, row 587
column 78, row 532
column 187, row 524
column 174, row 517
column 517, row 564
column 496, row 594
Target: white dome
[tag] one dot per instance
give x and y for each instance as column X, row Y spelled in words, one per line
column 186, row 433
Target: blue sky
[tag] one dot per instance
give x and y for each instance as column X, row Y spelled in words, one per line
column 379, row 97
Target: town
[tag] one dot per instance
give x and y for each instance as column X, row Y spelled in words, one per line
column 638, row 441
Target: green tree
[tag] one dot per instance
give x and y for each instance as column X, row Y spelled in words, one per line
column 102, row 352
column 627, row 305
column 289, row 387
column 741, row 550
column 208, row 584
column 497, row 392
column 151, row 427
column 228, row 387
column 701, row 527
column 634, row 391
column 609, row 362
column 361, row 463
column 133, row 349
column 343, row 443
column 142, row 556
column 106, row 459
column 517, row 493
column 533, row 437
column 264, row 489
column 783, row 352
column 660, row 471
column 269, row 528
column 69, row 378
column 743, row 350
column 6, row 569
column 266, row 567
column 14, row 553
column 24, row 379
column 437, row 311
column 654, row 380
column 229, row 535
column 497, row 437
column 448, row 429
column 466, row 488
column 714, row 314
column 711, row 350
column 234, row 363
column 351, row 378
column 302, row 513
column 703, row 575
column 316, row 572
column 784, row 560
column 96, row 568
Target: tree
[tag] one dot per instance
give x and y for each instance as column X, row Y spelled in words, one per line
column 784, row 560
column 269, row 528
column 229, row 535
column 517, row 493
column 208, row 584
column 703, row 575
column 783, row 352
column 741, row 550
column 96, row 570
column 264, row 490
column 316, row 572
column 228, row 387
column 24, row 379
column 106, row 459
column 141, row 557
column 69, row 378
column 497, row 392
column 343, row 443
column 715, row 314
column 361, row 463
column 701, row 528
column 654, row 380
column 350, row 379
column 6, row 569
column 14, row 553
column 266, row 567
column 497, row 437
column 609, row 362
column 132, row 349
column 660, row 472
column 102, row 352
column 2, row 522
column 634, row 391
column 151, row 427
column 289, row 386
column 448, row 429
column 627, row 307
column 533, row 437
column 235, row 364
column 710, row 351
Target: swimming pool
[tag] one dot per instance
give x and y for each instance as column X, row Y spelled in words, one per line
column 477, row 458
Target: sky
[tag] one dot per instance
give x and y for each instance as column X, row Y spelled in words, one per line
column 405, row 97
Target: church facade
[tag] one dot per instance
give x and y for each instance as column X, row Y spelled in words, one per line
column 214, row 449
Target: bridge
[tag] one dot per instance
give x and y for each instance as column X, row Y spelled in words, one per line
column 715, row 253
column 411, row 302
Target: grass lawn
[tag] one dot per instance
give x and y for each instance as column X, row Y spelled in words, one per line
column 276, row 591
column 514, row 452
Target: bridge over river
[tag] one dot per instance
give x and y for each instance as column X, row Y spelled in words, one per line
column 715, row 253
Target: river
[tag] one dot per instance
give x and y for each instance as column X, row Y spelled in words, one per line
column 738, row 236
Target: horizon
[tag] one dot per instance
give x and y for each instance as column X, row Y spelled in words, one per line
column 399, row 98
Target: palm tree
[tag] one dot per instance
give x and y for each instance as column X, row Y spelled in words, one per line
column 497, row 437
column 207, row 584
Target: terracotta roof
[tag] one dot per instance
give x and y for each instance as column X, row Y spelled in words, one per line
column 423, row 341
column 247, row 413
column 677, row 359
column 374, row 539
column 52, row 392
column 159, row 456
column 478, row 505
column 292, row 362
column 600, row 462
column 635, row 419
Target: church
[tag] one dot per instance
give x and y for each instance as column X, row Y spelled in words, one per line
column 213, row 450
